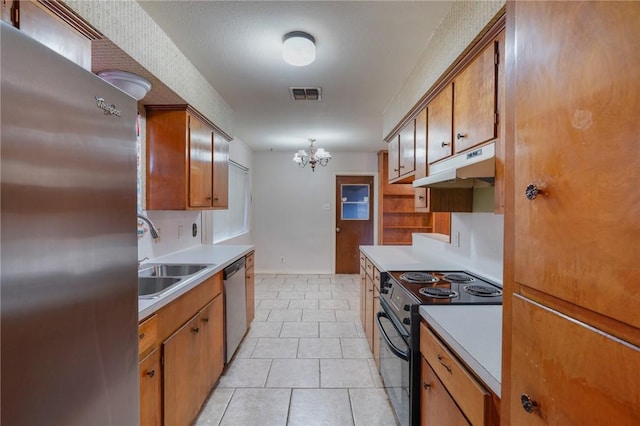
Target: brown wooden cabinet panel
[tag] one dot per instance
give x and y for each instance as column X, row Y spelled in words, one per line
column 576, row 374
column 220, row 173
column 474, row 106
column 576, row 140
column 394, row 159
column 375, row 330
column 440, row 125
column 437, row 406
column 420, row 194
column 200, row 163
column 368, row 312
column 363, row 294
column 211, row 320
column 408, row 148
column 181, row 371
column 250, row 288
column 150, row 370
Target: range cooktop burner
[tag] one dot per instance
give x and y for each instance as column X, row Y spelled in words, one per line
column 438, row 292
column 419, row 277
column 458, row 278
column 482, row 290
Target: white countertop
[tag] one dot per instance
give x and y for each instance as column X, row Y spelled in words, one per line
column 474, row 333
column 406, row 258
column 219, row 256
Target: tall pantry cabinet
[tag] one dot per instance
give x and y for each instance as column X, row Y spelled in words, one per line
column 572, row 328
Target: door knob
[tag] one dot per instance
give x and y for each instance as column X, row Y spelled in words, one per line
column 337, row 229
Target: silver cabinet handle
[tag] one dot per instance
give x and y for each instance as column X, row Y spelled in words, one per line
column 460, row 136
column 532, row 191
column 443, row 144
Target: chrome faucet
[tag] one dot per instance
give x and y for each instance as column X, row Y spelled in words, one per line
column 152, row 228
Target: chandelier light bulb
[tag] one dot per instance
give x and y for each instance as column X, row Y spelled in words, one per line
column 298, row 48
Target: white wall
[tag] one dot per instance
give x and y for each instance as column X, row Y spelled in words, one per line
column 480, row 247
column 289, row 220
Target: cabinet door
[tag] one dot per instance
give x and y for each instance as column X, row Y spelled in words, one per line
column 211, row 320
column 363, row 296
column 394, row 158
column 420, row 194
column 181, row 374
column 576, row 139
column 375, row 331
column 251, row 297
column 408, row 148
column 368, row 312
column 576, row 374
column 474, row 106
column 151, row 390
column 440, row 125
column 437, row 407
column 220, row 172
column 200, row 163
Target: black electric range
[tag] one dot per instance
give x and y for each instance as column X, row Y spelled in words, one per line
column 401, row 295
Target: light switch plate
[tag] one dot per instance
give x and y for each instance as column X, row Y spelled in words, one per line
column 326, row 206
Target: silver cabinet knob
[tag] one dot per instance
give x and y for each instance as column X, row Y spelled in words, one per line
column 528, row 404
column 532, row 191
column 460, row 136
column 443, row 144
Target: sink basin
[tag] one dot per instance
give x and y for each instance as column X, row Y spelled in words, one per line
column 150, row 287
column 170, row 270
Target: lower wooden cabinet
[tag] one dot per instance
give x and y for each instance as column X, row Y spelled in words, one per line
column 250, row 284
column 473, row 400
column 376, row 331
column 437, row 406
column 150, row 369
column 193, row 361
column 564, row 372
column 186, row 355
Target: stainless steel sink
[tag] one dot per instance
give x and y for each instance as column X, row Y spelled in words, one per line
column 156, row 279
column 150, row 287
column 170, row 270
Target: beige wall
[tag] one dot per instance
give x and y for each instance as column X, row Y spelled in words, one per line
column 126, row 24
column 456, row 31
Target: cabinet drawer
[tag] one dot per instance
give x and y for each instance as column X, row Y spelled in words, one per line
column 376, row 278
column 369, row 268
column 363, row 261
column 249, row 261
column 147, row 334
column 470, row 395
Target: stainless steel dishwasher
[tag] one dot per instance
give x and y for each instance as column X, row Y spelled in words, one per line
column 235, row 306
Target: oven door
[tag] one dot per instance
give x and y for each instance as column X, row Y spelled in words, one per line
column 395, row 356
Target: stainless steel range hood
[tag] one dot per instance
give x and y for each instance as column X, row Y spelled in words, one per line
column 474, row 169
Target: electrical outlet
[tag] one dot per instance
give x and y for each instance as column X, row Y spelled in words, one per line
column 281, row 259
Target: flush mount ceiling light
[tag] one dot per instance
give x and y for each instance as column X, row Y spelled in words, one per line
column 298, row 48
column 135, row 86
column 315, row 156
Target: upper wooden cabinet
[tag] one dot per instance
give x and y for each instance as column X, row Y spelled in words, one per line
column 402, row 154
column 440, row 113
column 474, row 101
column 187, row 160
column 220, row 172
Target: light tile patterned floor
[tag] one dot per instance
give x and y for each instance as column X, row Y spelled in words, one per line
column 305, row 360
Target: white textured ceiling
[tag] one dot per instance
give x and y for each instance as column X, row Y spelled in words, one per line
column 365, row 49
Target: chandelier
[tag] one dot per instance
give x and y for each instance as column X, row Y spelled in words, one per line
column 315, row 156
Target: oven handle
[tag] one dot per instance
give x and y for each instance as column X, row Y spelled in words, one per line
column 392, row 347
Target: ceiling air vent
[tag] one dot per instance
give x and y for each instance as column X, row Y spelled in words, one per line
column 305, row 93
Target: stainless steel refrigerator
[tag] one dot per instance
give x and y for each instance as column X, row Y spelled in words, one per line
column 68, row 290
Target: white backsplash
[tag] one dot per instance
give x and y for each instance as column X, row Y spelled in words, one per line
column 171, row 238
column 476, row 243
